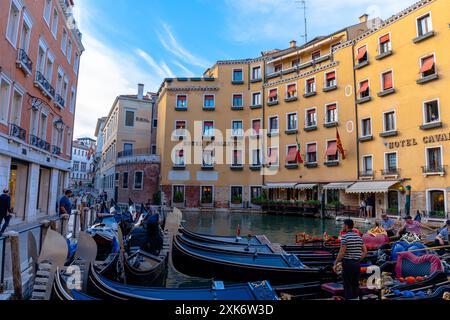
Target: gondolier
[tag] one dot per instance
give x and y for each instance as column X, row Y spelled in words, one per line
column 351, row 253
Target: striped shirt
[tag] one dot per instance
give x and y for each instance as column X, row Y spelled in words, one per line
column 354, row 245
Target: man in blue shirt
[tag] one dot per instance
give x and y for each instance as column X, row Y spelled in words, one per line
column 388, row 224
column 65, row 205
column 442, row 238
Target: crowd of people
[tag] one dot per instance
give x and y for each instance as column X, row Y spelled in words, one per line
column 71, row 201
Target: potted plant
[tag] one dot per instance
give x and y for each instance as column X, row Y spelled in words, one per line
column 312, row 206
column 236, row 200
column 179, row 197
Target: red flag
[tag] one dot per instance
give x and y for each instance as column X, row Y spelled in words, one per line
column 339, row 144
column 299, row 156
column 238, row 231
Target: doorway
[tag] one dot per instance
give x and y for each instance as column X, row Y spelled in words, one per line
column 44, row 191
column 18, row 187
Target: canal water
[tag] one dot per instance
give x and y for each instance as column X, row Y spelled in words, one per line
column 277, row 228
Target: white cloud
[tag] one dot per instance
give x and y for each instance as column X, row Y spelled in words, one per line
column 171, row 44
column 161, row 69
column 187, row 72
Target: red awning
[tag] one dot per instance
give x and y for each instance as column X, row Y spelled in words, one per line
column 237, row 96
column 256, row 125
column 332, row 149
column 312, row 148
column 182, row 98
column 273, row 93
column 292, row 154
column 209, row 97
column 181, row 125
column 364, row 86
column 384, row 39
column 208, row 124
column 292, row 88
column 331, row 75
column 427, row 64
column 331, row 107
column 361, row 52
column 387, row 81
column 310, row 81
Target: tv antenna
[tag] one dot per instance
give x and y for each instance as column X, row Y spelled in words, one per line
column 302, row 4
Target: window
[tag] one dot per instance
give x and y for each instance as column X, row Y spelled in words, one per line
column 83, row 167
column 64, row 42
column 59, row 82
column 238, row 75
column 391, row 162
column 389, row 121
column 25, row 33
column 237, row 158
column 154, row 149
column 208, row 101
column 155, row 123
column 208, row 128
column 129, row 118
column 40, row 62
column 436, row 203
column 43, row 127
column 236, row 195
column 273, row 125
column 330, row 79
column 69, row 141
column 292, row 155
column 393, row 205
column 256, row 157
column 178, row 194
column 179, row 158
column 362, row 55
column 291, row 91
column 368, row 165
column 47, row 11
column 332, row 151
column 55, row 23
column 295, row 63
column 208, row 158
column 127, row 149
column 76, row 166
column 76, row 62
column 273, row 95
column 366, row 126
column 256, row 99
column 5, row 94
column 431, row 111
column 434, row 159
column 237, row 101
column 424, row 25
column 255, row 194
column 310, row 86
column 180, row 128
column 73, row 95
column 311, row 118
column 16, row 109
column 364, row 89
column 331, row 113
column 256, row 126
column 207, row 194
column 278, row 68
column 13, row 23
column 272, row 157
column 315, row 55
column 333, row 196
column 385, row 44
column 428, row 66
column 237, row 129
column 292, row 121
column 256, row 73
column 138, row 180
column 387, row 81
column 311, row 153
column 69, row 52
column 181, row 101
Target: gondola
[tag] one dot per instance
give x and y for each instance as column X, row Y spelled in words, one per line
column 144, row 269
column 237, row 267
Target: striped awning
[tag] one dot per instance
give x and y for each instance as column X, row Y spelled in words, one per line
column 290, row 186
column 337, row 186
column 371, row 187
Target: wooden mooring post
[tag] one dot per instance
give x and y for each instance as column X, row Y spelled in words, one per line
column 84, row 219
column 76, row 218
column 64, row 224
column 45, row 225
column 15, row 264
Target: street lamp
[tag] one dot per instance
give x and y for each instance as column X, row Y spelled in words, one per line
column 59, row 124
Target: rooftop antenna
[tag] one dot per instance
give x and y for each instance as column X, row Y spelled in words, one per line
column 303, row 6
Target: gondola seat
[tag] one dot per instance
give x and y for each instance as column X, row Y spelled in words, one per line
column 410, row 265
column 403, row 246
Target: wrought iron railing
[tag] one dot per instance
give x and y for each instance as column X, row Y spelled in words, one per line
column 44, row 84
column 367, row 173
column 134, row 152
column 391, row 172
column 17, row 132
column 39, row 143
column 56, row 150
column 434, row 169
column 24, row 62
column 59, row 101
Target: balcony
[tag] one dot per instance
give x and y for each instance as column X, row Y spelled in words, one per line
column 237, row 167
column 143, row 155
column 39, row 143
column 311, row 165
column 44, row 85
column 24, row 62
column 17, row 132
column 391, row 172
column 179, row 167
column 56, row 150
column 207, row 166
column 367, row 174
column 434, row 170
column 59, row 101
column 255, row 167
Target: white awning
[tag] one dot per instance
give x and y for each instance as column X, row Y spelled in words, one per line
column 337, row 186
column 371, row 187
column 289, row 186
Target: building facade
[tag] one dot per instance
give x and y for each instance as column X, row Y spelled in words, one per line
column 39, row 64
column 129, row 165
column 82, row 173
column 97, row 163
column 355, row 88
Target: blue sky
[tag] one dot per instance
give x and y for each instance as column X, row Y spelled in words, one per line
column 133, row 41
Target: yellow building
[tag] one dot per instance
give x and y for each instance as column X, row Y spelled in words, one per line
column 307, row 95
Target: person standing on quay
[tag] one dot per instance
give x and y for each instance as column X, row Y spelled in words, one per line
column 5, row 210
column 65, row 205
column 351, row 253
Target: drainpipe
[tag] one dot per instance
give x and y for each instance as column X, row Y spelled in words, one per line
column 356, row 113
column 263, row 120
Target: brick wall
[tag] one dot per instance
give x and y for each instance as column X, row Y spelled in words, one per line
column 151, row 182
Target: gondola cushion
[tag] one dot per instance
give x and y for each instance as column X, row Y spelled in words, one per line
column 373, row 242
column 409, row 265
column 403, row 246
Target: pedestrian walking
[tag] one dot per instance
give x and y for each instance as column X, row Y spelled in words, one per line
column 351, row 253
column 5, row 210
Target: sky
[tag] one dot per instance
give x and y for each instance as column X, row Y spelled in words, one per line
column 144, row 41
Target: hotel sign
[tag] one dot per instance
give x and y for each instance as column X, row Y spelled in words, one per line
column 414, row 142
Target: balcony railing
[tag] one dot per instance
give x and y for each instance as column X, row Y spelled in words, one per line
column 24, row 62
column 44, row 85
column 39, row 143
column 434, row 170
column 391, row 172
column 367, row 174
column 56, row 150
column 59, row 101
column 134, row 152
column 17, row 132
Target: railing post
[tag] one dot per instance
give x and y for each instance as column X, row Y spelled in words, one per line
column 84, row 219
column 64, row 224
column 76, row 217
column 15, row 264
column 53, row 225
column 45, row 224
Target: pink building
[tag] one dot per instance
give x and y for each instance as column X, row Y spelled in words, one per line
column 40, row 48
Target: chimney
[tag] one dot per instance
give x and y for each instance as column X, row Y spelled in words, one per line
column 363, row 18
column 140, row 94
column 293, row 44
